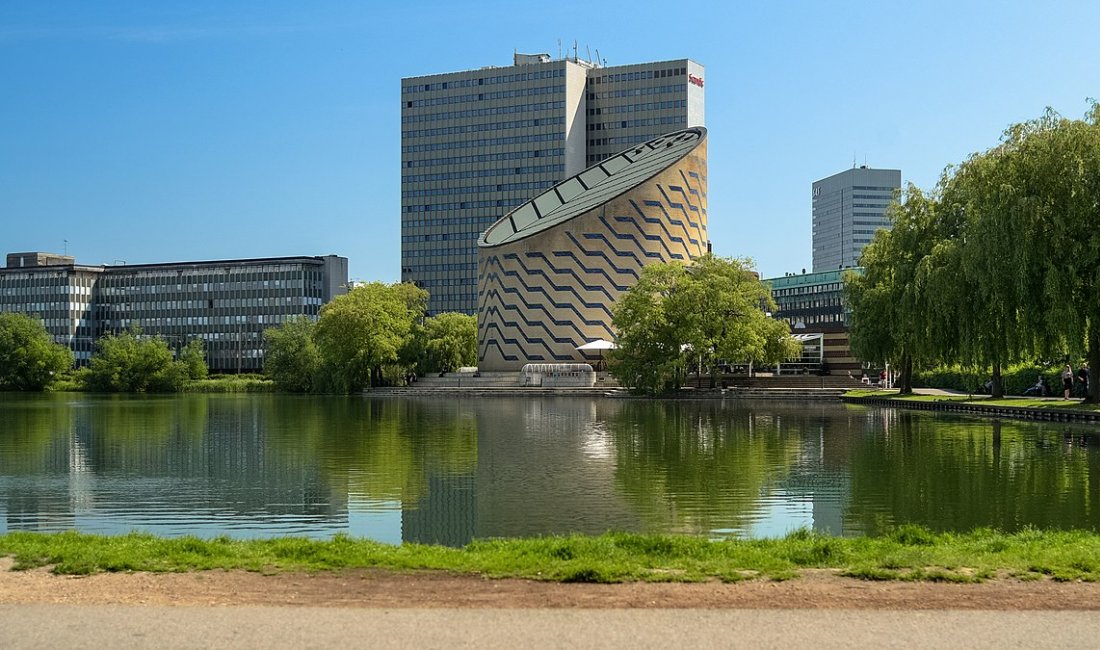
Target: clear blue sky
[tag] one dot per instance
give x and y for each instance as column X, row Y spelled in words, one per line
column 156, row 131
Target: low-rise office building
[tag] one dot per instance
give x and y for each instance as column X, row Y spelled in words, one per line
column 225, row 303
column 813, row 304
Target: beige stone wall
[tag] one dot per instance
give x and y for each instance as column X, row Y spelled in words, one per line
column 544, row 295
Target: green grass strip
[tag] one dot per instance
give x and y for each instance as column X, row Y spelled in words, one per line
column 1016, row 402
column 909, row 553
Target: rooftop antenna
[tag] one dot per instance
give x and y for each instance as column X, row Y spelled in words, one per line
column 589, row 52
column 559, row 49
column 574, row 50
column 66, row 246
column 598, row 56
column 853, row 160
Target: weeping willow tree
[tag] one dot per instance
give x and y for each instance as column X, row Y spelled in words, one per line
column 1000, row 264
column 890, row 301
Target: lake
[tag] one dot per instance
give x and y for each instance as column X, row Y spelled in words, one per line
column 446, row 471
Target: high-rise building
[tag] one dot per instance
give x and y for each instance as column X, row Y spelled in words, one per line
column 475, row 144
column 847, row 210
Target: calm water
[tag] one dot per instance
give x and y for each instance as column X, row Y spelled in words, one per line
column 450, row 470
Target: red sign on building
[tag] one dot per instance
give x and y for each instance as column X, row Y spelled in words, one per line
column 698, row 81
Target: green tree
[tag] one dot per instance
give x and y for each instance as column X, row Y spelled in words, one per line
column 133, row 363
column 361, row 333
column 1058, row 226
column 649, row 357
column 29, row 358
column 193, row 357
column 678, row 316
column 291, row 357
column 450, row 342
column 889, row 300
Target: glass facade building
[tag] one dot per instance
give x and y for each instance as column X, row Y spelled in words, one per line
column 478, row 143
column 227, row 303
column 814, row 305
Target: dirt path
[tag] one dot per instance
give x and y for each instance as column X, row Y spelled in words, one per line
column 369, row 588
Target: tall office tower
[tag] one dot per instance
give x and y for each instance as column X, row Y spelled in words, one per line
column 475, row 144
column 847, row 210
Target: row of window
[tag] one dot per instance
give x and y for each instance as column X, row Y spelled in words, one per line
column 484, row 112
column 462, row 205
column 445, row 282
column 807, row 290
column 439, row 268
column 483, row 81
column 814, row 319
column 501, row 94
column 486, row 157
column 872, row 196
column 456, row 248
column 871, row 187
column 870, row 205
column 476, row 189
column 636, row 92
column 204, row 321
column 446, row 236
column 485, row 142
column 619, row 140
column 637, row 75
column 209, row 303
column 637, row 108
column 478, row 173
column 207, row 287
column 488, row 126
column 629, row 124
column 29, row 289
column 448, row 222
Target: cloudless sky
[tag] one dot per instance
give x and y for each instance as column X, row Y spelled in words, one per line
column 167, row 131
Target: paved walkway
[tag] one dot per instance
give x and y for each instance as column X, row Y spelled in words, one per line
column 69, row 626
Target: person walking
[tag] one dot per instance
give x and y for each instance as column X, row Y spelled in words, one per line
column 1083, row 379
column 1067, row 381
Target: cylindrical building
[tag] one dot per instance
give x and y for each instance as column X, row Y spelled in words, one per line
column 550, row 271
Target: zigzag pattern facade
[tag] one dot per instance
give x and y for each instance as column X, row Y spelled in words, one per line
column 542, row 295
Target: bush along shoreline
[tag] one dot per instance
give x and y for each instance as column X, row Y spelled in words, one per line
column 909, row 553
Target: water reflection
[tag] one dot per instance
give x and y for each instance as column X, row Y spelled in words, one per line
column 448, row 471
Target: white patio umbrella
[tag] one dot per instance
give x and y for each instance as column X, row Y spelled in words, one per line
column 600, row 345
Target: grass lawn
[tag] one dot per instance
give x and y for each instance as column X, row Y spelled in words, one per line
column 909, row 553
column 981, row 400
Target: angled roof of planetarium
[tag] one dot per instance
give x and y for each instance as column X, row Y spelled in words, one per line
column 593, row 187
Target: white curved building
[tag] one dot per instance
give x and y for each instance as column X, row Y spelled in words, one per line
column 550, row 271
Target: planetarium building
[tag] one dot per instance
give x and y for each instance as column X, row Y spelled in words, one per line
column 550, row 271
